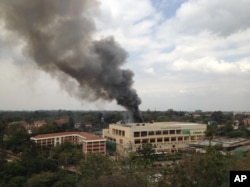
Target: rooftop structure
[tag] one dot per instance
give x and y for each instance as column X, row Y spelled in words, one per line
column 227, row 143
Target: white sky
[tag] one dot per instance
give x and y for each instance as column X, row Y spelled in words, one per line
column 186, row 55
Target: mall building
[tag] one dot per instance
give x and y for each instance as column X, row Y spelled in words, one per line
column 166, row 137
column 90, row 142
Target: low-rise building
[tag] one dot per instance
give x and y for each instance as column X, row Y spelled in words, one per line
column 246, row 122
column 166, row 137
column 90, row 142
column 39, row 123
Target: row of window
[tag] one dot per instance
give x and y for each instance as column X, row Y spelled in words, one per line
column 153, row 133
column 166, row 139
column 110, row 139
column 118, row 132
column 96, row 149
column 95, row 143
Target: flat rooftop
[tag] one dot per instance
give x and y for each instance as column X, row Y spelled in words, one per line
column 225, row 142
column 84, row 135
column 160, row 124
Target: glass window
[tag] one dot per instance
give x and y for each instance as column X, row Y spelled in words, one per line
column 144, row 133
column 165, row 132
column 151, row 133
column 173, row 139
column 136, row 134
column 159, row 139
column 178, row 131
column 158, row 132
column 172, row 131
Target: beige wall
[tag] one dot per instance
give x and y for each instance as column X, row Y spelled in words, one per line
column 166, row 137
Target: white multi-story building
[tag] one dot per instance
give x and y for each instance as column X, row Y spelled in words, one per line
column 167, row 137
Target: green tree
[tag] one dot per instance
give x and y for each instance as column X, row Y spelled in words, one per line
column 12, row 174
column 163, row 118
column 71, row 122
column 65, row 179
column 133, row 169
column 93, row 166
column 43, row 179
column 116, row 181
column 210, row 133
column 146, row 154
column 16, row 137
column 15, row 181
column 47, row 128
column 209, row 169
column 66, row 154
column 35, row 162
column 3, row 126
column 237, row 133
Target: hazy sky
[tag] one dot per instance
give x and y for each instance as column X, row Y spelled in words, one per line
column 185, row 54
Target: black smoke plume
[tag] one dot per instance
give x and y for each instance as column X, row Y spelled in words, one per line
column 58, row 36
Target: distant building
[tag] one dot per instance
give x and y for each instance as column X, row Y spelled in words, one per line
column 39, row 123
column 246, row 122
column 196, row 116
column 167, row 137
column 34, row 125
column 90, row 143
column 224, row 142
column 88, row 125
column 61, row 121
column 78, row 125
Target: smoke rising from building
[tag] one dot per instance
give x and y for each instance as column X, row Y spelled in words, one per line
column 58, row 38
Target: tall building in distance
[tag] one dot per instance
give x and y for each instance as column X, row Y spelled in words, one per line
column 90, row 142
column 166, row 137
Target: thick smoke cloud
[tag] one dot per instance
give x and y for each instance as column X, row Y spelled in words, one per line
column 58, row 38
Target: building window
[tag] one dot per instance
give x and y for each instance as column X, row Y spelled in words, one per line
column 144, row 133
column 172, row 131
column 178, row 131
column 136, row 134
column 158, row 132
column 151, row 133
column 199, row 137
column 179, row 138
column 159, row 139
column 173, row 139
column 166, row 139
column 152, row 140
column 165, row 132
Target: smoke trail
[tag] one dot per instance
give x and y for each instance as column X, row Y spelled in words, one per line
column 58, row 37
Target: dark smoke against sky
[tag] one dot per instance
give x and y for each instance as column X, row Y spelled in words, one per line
column 58, row 38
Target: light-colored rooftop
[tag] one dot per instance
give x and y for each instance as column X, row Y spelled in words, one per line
column 85, row 135
column 225, row 142
column 160, row 124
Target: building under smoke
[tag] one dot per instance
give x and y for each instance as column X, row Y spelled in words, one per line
column 166, row 137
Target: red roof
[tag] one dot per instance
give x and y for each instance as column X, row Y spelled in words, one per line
column 60, row 121
column 85, row 135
